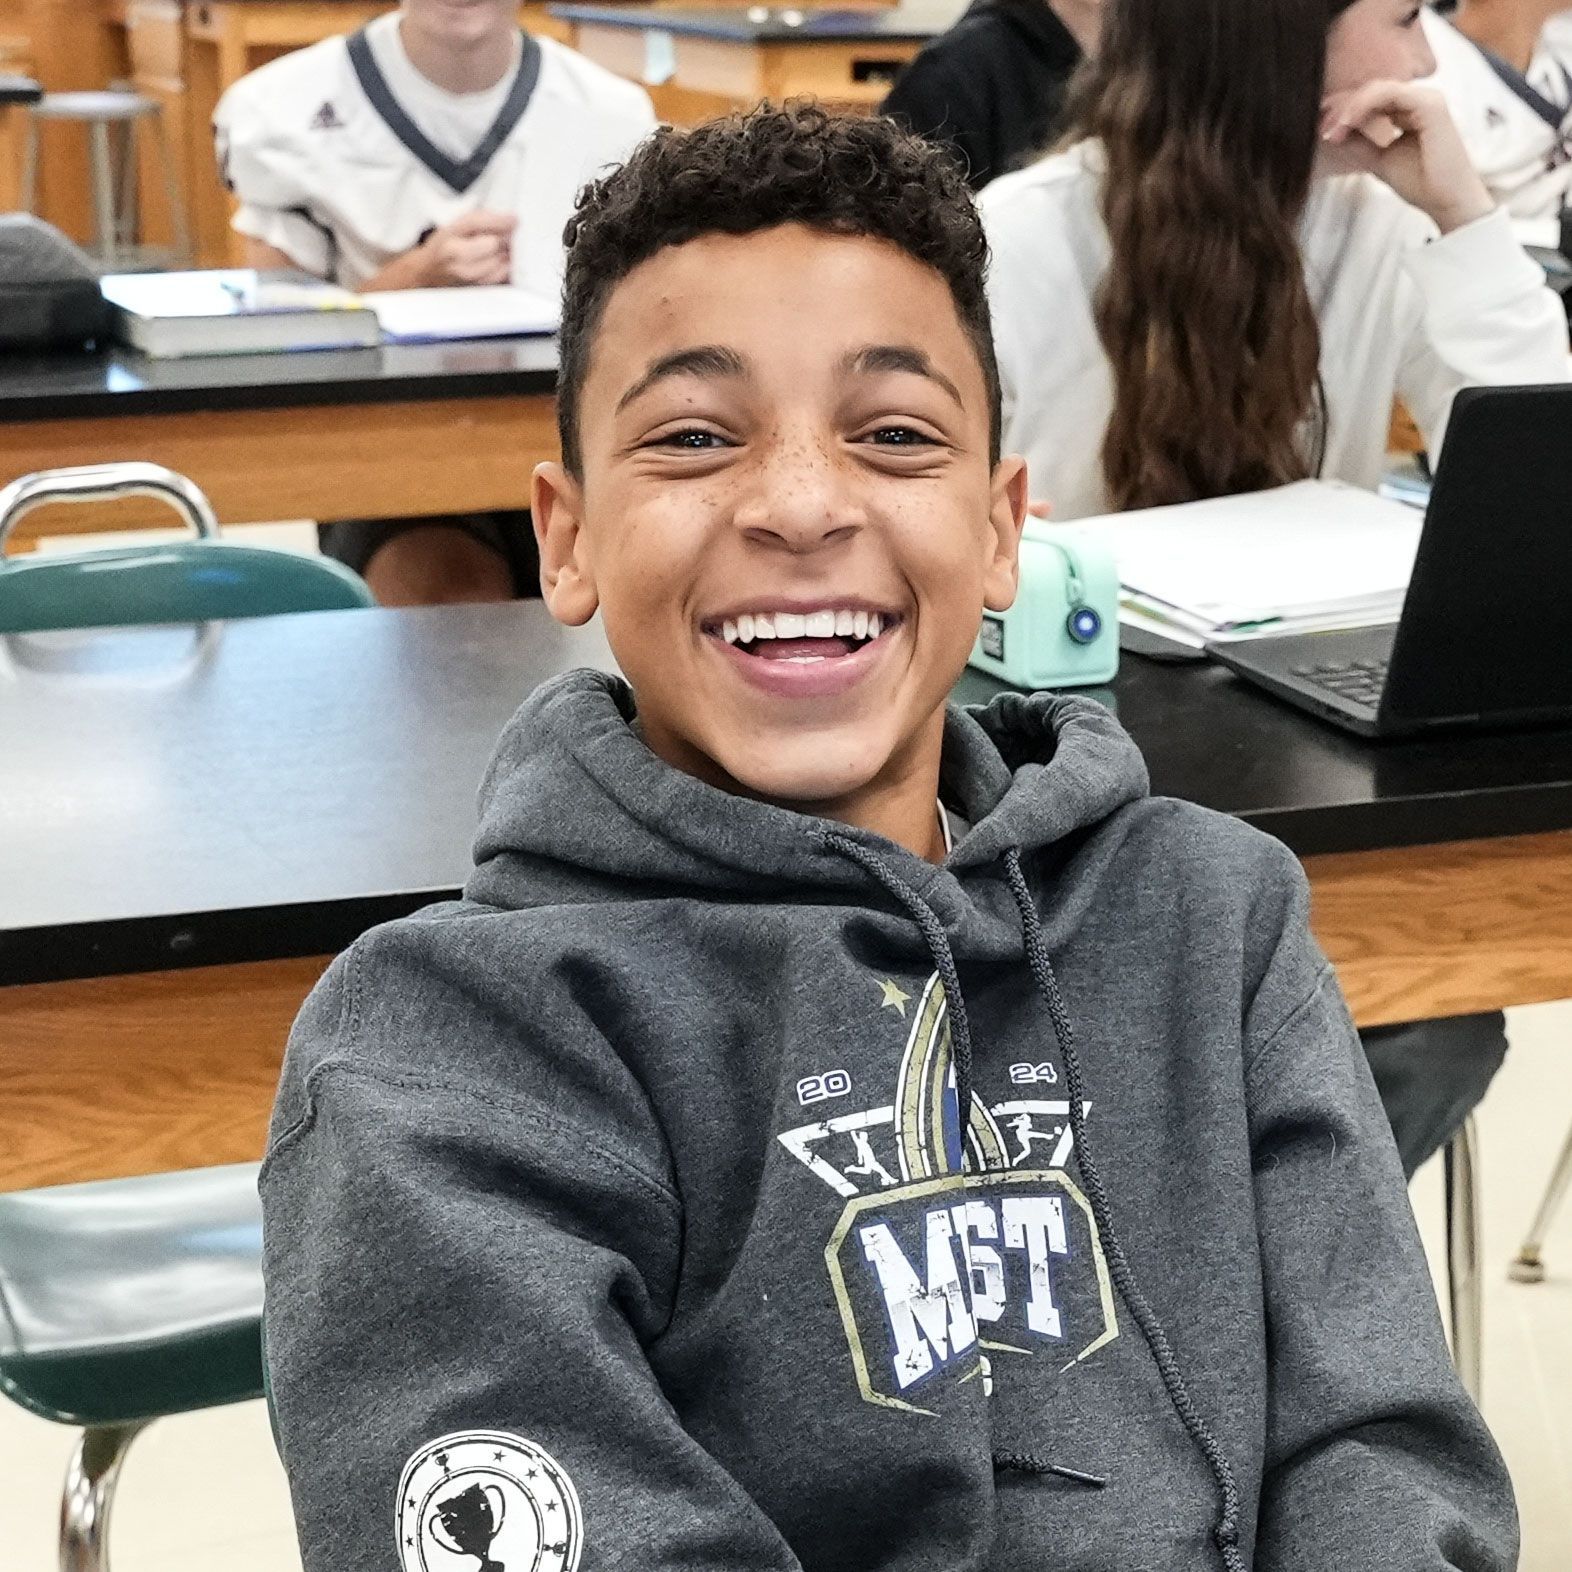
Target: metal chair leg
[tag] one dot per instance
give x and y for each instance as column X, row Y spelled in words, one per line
column 103, row 191
column 1464, row 1283
column 29, row 191
column 1528, row 1268
column 90, row 1481
column 127, row 222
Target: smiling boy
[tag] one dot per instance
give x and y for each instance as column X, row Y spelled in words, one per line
column 625, row 1215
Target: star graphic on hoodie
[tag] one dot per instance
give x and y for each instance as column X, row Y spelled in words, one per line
column 893, row 998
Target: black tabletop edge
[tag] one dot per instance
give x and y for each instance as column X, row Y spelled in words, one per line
column 1395, row 824
column 113, row 948
column 74, row 404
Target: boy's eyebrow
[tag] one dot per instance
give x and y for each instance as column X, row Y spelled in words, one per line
column 706, row 360
column 896, row 357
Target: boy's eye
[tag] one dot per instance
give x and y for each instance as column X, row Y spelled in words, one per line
column 900, row 437
column 693, row 440
column 1412, row 17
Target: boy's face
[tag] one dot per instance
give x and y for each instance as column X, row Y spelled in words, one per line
column 785, row 432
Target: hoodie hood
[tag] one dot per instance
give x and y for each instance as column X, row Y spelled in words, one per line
column 573, row 797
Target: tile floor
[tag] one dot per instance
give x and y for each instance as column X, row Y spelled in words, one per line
column 205, row 1492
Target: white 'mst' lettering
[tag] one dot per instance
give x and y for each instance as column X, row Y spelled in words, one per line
column 1035, row 1223
column 929, row 1322
column 975, row 1220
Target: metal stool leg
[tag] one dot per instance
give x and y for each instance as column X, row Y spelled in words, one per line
column 1464, row 1284
column 103, row 191
column 91, row 1476
column 126, row 220
column 30, row 167
column 1528, row 1268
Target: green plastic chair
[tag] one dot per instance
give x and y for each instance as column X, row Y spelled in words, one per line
column 201, row 580
column 122, row 1302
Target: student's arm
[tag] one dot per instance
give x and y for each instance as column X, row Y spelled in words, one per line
column 1375, row 1456
column 474, row 248
column 449, row 1249
column 1485, row 315
column 259, row 254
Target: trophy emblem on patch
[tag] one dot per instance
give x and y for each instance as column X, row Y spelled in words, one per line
column 467, row 1523
column 487, row 1501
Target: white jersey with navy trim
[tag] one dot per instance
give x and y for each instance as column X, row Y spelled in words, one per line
column 1517, row 129
column 343, row 157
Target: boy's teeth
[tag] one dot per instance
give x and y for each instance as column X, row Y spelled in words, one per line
column 748, row 628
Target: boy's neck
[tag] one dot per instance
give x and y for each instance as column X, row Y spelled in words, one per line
column 1510, row 31
column 459, row 67
column 909, row 817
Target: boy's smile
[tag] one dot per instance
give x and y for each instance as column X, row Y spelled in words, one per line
column 787, row 514
column 804, row 650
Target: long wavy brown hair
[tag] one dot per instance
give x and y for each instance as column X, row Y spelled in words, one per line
column 1207, row 114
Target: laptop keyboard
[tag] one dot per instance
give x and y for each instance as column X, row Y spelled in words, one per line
column 1359, row 681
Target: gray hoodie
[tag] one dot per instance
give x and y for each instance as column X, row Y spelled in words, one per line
column 619, row 1216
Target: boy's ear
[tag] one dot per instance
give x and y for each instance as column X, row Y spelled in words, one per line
column 567, row 579
column 1007, row 516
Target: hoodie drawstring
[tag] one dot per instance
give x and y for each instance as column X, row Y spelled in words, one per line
column 1226, row 1533
column 938, row 942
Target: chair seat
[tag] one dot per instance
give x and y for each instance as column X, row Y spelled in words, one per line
column 132, row 1299
column 91, row 106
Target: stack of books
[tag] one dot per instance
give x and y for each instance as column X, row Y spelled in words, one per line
column 241, row 311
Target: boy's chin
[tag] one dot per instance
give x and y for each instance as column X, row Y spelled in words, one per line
column 810, row 774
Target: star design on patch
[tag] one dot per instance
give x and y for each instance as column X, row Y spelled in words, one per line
column 894, row 998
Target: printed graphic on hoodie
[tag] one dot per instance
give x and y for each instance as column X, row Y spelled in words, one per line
column 946, row 1266
column 487, row 1501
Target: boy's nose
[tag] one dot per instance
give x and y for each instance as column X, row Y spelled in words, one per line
column 801, row 500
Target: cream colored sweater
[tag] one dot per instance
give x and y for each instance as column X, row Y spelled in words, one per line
column 1402, row 311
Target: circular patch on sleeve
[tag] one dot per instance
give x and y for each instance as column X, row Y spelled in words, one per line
column 487, row 1501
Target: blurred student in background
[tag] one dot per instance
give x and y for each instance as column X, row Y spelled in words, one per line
column 438, row 146
column 992, row 88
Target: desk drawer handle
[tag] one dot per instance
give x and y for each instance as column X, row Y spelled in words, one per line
column 106, row 483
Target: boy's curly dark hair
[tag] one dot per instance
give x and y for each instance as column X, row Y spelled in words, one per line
column 753, row 171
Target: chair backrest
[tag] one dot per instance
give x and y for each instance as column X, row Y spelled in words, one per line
column 191, row 581
column 188, row 581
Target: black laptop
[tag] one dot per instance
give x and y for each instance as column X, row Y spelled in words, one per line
column 1485, row 635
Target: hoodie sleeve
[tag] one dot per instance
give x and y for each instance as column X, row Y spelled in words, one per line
column 1375, row 1455
column 462, row 1286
